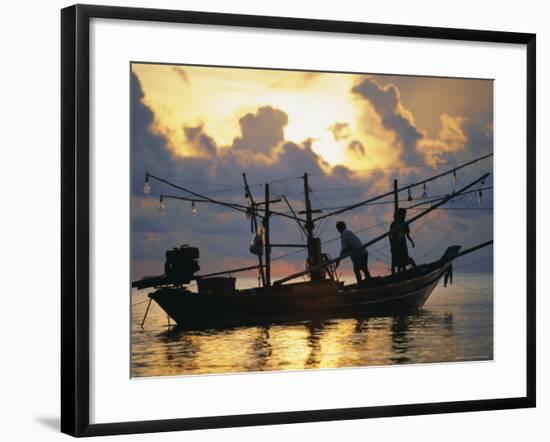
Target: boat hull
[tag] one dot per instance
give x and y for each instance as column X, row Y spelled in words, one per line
column 302, row 301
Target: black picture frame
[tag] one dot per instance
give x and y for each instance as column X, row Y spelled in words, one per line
column 75, row 211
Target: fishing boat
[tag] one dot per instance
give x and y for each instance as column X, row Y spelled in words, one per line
column 218, row 304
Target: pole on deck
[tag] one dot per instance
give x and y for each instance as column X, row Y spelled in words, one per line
column 395, row 208
column 395, row 197
column 309, row 220
column 313, row 244
column 267, row 244
column 254, row 220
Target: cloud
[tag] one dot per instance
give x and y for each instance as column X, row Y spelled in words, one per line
column 201, row 143
column 340, row 131
column 182, row 74
column 148, row 149
column 386, row 102
column 263, row 152
column 356, row 148
column 452, row 138
column 299, row 80
column 261, row 131
column 459, row 137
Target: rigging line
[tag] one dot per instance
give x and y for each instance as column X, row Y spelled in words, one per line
column 294, row 252
column 398, row 167
column 427, row 180
column 435, row 198
column 456, row 208
column 302, row 228
column 472, row 263
column 430, row 200
column 284, row 180
column 215, row 192
column 473, row 289
column 235, row 206
column 447, row 235
column 196, row 194
column 429, row 219
column 362, row 187
column 319, row 227
column 201, row 200
column 234, row 189
column 357, row 231
column 205, row 183
column 418, row 232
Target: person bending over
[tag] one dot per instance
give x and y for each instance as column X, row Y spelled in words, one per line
column 359, row 255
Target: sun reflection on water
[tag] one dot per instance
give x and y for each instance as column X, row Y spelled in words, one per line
column 450, row 328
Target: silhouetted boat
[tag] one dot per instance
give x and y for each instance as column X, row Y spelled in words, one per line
column 404, row 292
column 217, row 303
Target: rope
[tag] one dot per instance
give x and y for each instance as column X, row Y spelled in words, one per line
column 472, row 263
column 141, row 302
column 447, row 235
column 415, row 166
column 473, row 289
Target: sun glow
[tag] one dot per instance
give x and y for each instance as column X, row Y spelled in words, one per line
column 217, row 98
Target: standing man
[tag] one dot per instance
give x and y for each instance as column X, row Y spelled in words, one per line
column 399, row 234
column 359, row 256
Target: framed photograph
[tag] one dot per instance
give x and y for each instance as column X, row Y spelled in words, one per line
column 273, row 220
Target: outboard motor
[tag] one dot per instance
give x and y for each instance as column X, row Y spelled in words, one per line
column 179, row 268
column 181, row 263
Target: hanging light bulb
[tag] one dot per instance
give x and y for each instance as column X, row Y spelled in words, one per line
column 424, row 192
column 193, row 208
column 146, row 186
column 454, row 176
column 480, row 198
column 409, row 197
column 162, row 207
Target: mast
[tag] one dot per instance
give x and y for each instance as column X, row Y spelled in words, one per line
column 313, row 244
column 395, row 196
column 309, row 220
column 255, row 222
column 267, row 244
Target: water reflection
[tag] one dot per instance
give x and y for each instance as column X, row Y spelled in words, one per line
column 439, row 333
column 424, row 337
column 400, row 339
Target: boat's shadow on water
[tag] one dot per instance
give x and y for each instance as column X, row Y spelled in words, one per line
column 326, row 343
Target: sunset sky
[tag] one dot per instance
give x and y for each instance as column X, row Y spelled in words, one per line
column 202, row 127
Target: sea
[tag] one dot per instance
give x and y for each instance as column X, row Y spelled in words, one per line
column 455, row 324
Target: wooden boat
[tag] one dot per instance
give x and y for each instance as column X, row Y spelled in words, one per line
column 305, row 300
column 217, row 304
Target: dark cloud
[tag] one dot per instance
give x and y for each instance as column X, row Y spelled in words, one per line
column 340, row 131
column 262, row 131
column 357, row 148
column 385, row 101
column 200, row 141
column 149, row 152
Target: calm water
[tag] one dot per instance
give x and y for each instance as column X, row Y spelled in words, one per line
column 456, row 324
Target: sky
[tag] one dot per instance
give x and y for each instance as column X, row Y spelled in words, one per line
column 203, row 127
